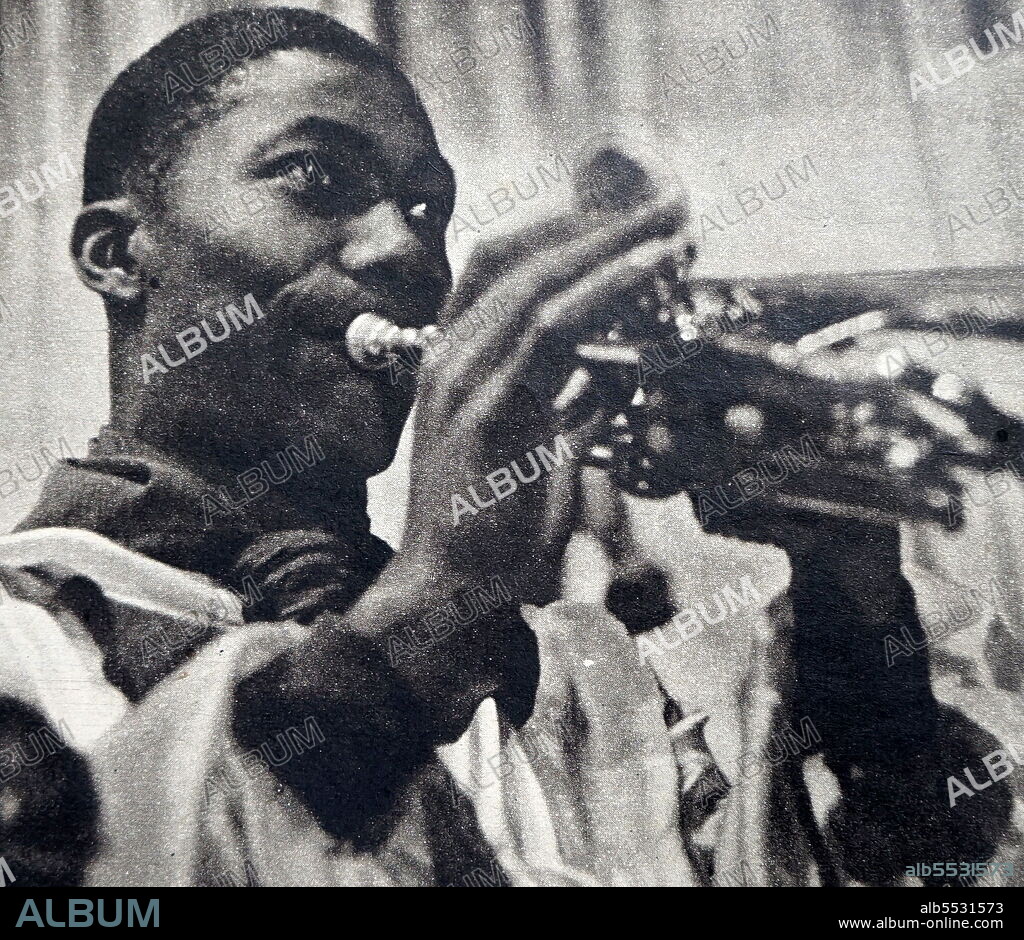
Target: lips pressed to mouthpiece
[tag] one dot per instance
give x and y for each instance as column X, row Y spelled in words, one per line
column 373, row 342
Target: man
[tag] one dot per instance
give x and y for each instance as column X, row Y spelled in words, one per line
column 294, row 737
column 227, row 355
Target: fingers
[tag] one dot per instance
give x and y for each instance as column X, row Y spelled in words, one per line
column 540, row 352
column 499, row 254
column 587, row 305
column 525, row 286
column 941, row 405
column 941, row 411
column 978, row 419
column 508, row 252
column 500, row 347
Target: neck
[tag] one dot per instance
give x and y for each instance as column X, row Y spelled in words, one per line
column 299, row 475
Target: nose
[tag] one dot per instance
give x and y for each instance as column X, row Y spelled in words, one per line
column 382, row 251
column 380, row 235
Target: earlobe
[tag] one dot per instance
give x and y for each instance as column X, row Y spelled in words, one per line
column 103, row 246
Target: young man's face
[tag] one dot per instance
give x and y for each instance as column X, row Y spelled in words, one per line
column 322, row 194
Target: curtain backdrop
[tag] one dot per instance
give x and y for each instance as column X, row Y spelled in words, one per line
column 810, row 101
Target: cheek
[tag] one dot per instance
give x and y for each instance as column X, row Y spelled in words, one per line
column 289, row 378
column 241, row 233
column 324, row 386
column 347, row 414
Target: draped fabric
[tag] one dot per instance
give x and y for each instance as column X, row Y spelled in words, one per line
column 583, row 793
column 810, row 100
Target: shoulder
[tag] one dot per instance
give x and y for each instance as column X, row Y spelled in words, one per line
column 88, row 625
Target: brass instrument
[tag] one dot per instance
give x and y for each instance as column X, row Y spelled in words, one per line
column 788, row 390
column 794, row 391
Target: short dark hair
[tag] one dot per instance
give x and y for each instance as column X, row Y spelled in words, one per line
column 153, row 103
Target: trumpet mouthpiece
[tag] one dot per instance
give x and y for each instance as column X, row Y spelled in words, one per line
column 373, row 342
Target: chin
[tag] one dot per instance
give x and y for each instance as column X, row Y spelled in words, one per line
column 372, row 460
column 357, row 418
column 361, row 453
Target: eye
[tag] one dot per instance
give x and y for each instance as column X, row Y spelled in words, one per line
column 426, row 211
column 322, row 185
column 310, row 171
column 299, row 177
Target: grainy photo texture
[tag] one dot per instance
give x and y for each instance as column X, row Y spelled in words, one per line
column 510, row 443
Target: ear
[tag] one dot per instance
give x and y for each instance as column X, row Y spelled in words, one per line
column 105, row 245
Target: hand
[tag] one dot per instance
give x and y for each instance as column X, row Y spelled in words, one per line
column 488, row 400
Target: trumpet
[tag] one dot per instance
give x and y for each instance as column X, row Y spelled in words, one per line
column 793, row 391
column 374, row 342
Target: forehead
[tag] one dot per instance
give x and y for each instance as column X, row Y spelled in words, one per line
column 286, row 88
